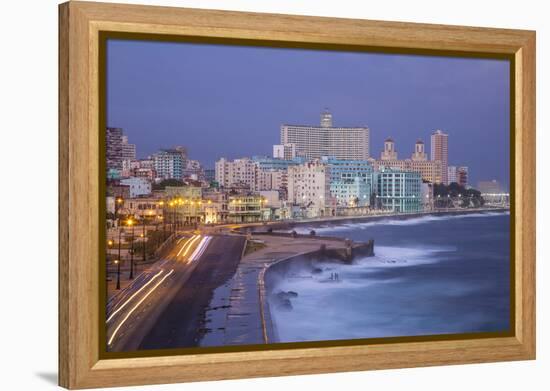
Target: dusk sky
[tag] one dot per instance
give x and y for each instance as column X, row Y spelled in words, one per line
column 230, row 101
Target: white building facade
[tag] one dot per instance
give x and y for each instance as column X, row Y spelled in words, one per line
column 138, row 186
column 313, row 142
column 309, row 186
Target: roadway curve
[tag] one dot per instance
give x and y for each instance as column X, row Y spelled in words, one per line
column 164, row 307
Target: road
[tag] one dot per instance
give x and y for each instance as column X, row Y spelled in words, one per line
column 164, row 307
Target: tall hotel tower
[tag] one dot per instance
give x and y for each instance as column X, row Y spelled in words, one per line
column 313, row 142
column 440, row 151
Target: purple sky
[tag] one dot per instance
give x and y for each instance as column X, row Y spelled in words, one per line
column 229, row 101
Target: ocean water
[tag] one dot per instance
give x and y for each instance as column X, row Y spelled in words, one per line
column 431, row 275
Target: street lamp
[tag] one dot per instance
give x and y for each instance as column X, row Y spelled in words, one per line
column 130, row 223
column 117, row 262
column 144, row 241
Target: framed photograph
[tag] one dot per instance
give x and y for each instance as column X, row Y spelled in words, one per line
column 247, row 195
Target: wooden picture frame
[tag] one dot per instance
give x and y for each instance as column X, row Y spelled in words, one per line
column 80, row 26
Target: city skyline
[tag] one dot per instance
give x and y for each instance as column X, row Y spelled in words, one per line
column 151, row 124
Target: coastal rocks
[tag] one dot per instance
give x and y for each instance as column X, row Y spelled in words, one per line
column 282, row 301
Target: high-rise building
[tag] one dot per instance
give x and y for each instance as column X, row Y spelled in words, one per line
column 128, row 150
column 170, row 163
column 114, row 148
column 313, row 142
column 440, row 151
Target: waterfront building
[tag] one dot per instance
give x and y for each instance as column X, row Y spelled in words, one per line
column 138, row 186
column 170, row 163
column 246, row 208
column 341, row 169
column 284, row 151
column 351, row 193
column 309, row 187
column 399, row 191
column 183, row 204
column 440, row 151
column 312, row 141
column 215, row 206
column 114, row 148
column 236, row 173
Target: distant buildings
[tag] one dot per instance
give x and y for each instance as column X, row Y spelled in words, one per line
column 315, row 171
column 113, row 150
column 170, row 163
column 458, row 175
column 284, row 151
column 138, row 186
column 430, row 170
column 236, row 172
column 313, row 142
column 128, row 151
column 490, row 187
column 440, row 152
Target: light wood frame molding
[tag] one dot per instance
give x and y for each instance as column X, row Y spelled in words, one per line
column 80, row 365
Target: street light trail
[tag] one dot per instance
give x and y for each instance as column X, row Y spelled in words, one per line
column 137, row 305
column 193, row 241
column 134, row 295
column 184, row 245
column 200, row 249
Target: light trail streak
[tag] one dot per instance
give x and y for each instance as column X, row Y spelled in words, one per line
column 137, row 305
column 194, row 240
column 200, row 249
column 184, row 245
column 134, row 295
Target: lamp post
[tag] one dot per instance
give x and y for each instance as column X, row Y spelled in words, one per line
column 109, row 247
column 144, row 241
column 118, row 203
column 131, row 224
column 117, row 261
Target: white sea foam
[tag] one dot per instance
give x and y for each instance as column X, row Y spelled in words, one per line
column 393, row 221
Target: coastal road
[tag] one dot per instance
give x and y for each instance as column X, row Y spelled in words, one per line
column 164, row 307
